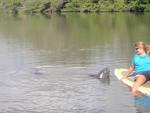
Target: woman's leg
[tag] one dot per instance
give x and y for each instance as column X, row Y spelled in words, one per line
column 140, row 80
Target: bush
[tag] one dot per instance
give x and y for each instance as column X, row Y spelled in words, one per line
column 106, row 6
column 147, row 7
column 136, row 6
column 119, row 5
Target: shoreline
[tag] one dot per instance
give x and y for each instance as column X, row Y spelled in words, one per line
column 59, row 6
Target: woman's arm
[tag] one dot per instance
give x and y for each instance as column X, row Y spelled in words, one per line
column 130, row 70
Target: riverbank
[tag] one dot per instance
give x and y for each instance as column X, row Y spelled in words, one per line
column 48, row 7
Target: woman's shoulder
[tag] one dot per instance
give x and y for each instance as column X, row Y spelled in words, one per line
column 136, row 55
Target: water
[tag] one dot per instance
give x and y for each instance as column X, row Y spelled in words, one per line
column 46, row 62
column 142, row 104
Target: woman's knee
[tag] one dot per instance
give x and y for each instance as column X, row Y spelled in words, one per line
column 140, row 78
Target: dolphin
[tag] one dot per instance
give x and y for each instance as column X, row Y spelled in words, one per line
column 102, row 74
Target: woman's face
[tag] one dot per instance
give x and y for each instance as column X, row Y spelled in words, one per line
column 140, row 50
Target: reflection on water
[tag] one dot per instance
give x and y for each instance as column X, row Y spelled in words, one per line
column 45, row 63
column 142, row 104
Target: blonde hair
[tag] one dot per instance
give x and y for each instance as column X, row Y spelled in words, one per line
column 148, row 49
column 141, row 45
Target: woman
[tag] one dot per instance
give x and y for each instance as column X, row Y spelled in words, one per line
column 140, row 66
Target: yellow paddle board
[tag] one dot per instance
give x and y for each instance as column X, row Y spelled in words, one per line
column 119, row 74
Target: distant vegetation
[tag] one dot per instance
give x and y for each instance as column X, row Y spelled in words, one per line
column 50, row 6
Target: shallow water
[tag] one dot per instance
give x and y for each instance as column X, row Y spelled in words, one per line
column 46, row 62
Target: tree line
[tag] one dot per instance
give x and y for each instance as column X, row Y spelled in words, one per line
column 50, row 6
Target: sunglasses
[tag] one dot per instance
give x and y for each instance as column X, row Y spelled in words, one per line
column 136, row 48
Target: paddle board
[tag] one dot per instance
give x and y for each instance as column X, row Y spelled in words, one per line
column 119, row 74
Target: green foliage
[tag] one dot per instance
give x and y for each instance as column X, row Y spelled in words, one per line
column 135, row 6
column 119, row 5
column 144, row 1
column 47, row 6
column 32, row 6
column 72, row 6
column 82, row 5
column 147, row 7
column 106, row 6
column 87, row 7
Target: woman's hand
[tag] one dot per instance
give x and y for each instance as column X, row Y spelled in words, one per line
column 127, row 74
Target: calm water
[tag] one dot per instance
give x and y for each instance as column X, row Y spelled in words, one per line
column 45, row 62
